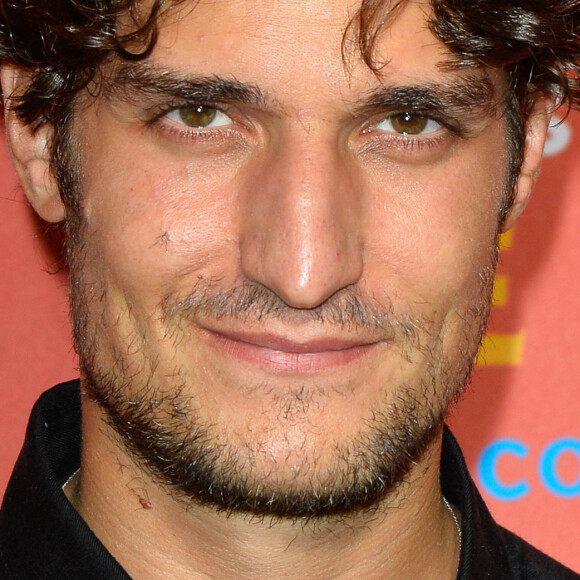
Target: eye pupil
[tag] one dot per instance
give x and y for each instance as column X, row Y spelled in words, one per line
column 197, row 116
column 409, row 124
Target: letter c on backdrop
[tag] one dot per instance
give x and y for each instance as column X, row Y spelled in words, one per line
column 487, row 469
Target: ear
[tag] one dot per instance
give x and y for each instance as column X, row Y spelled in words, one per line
column 30, row 150
column 536, row 131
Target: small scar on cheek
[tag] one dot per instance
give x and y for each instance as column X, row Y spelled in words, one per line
column 163, row 240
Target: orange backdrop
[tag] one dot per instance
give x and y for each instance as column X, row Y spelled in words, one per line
column 519, row 424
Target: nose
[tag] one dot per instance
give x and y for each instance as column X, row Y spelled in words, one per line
column 301, row 238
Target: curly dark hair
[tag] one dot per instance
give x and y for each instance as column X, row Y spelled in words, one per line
column 63, row 44
column 65, row 41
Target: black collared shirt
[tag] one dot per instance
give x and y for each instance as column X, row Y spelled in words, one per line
column 42, row 537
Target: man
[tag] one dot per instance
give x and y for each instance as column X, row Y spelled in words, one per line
column 282, row 223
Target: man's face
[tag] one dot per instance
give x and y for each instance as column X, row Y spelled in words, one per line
column 286, row 259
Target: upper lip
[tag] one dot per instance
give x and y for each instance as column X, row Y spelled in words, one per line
column 278, row 342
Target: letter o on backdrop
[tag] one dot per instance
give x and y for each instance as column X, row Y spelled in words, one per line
column 548, row 466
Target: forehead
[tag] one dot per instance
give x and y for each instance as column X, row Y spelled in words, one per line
column 299, row 47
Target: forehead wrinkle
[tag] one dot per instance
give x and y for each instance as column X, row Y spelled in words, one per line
column 143, row 80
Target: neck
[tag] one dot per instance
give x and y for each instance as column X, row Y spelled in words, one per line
column 154, row 536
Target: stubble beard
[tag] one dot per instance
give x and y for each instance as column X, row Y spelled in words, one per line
column 191, row 457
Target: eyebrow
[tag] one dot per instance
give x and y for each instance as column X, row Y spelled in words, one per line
column 463, row 96
column 146, row 81
column 471, row 95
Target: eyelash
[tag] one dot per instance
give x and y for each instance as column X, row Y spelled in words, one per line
column 381, row 140
column 159, row 118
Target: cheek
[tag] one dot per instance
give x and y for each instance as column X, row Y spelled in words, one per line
column 435, row 228
column 150, row 227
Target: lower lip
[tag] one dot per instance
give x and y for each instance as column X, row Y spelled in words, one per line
column 283, row 361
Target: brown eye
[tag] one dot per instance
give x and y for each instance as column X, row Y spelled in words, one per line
column 199, row 117
column 409, row 124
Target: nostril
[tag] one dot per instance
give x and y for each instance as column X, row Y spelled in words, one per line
column 302, row 270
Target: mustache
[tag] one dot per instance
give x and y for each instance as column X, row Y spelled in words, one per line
column 251, row 302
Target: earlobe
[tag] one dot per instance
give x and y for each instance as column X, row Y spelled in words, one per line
column 30, row 151
column 536, row 132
